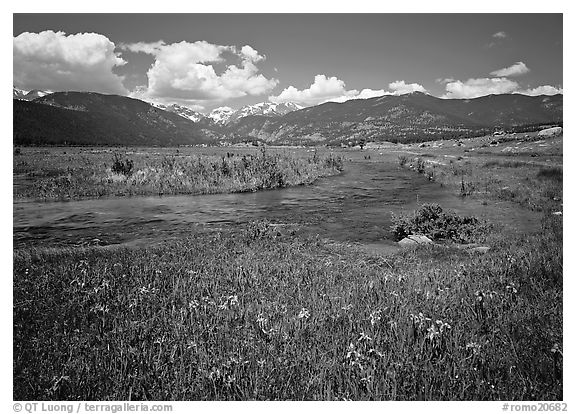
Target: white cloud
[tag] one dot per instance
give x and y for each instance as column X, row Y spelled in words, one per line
column 500, row 35
column 473, row 88
column 322, row 89
column 56, row 61
column 363, row 94
column 184, row 72
column 332, row 89
column 401, row 87
column 251, row 54
column 518, row 68
column 542, row 90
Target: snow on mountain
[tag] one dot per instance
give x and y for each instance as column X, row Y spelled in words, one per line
column 221, row 115
column 180, row 110
column 266, row 109
column 18, row 93
column 28, row 95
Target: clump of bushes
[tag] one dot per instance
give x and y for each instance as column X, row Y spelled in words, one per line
column 120, row 166
column 432, row 221
column 551, row 173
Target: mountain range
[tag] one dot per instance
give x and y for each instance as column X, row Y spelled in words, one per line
column 86, row 118
column 91, row 118
column 28, row 95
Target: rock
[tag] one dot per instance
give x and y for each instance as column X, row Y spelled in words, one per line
column 407, row 242
column 415, row 239
column 550, row 132
column 466, row 246
column 479, row 249
column 557, row 213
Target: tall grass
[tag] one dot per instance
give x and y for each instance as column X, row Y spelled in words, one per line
column 524, row 183
column 171, row 174
column 261, row 315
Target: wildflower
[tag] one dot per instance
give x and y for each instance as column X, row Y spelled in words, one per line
column 261, row 320
column 233, row 300
column 556, row 349
column 443, row 325
column 374, row 351
column 375, row 317
column 193, row 304
column 261, row 363
column 347, row 307
column 352, row 352
column 100, row 308
column 304, row 314
column 364, row 337
column 479, row 296
column 432, row 332
column 475, row 347
column 511, row 288
column 214, row 374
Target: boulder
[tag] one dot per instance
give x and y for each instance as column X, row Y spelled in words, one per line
column 415, row 239
column 479, row 249
column 550, row 132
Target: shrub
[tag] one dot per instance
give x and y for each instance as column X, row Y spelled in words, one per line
column 550, row 173
column 402, row 159
column 430, row 220
column 120, row 166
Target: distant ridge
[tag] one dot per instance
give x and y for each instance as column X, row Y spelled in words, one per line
column 411, row 117
column 89, row 118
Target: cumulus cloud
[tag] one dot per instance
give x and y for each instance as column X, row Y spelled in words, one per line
column 185, row 72
column 518, row 68
column 322, row 89
column 473, row 88
column 445, row 80
column 332, row 89
column 401, row 87
column 542, row 90
column 363, row 94
column 500, row 35
column 57, row 61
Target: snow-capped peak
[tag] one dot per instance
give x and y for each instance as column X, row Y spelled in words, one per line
column 28, row 95
column 221, row 115
column 183, row 111
column 266, row 109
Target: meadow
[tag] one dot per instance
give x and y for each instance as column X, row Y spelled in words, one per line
column 78, row 173
column 262, row 312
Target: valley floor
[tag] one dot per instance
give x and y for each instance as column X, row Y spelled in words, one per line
column 260, row 312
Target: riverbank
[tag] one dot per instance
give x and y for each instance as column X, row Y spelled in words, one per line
column 80, row 173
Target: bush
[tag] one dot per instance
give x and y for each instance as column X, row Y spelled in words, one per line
column 550, row 173
column 120, row 166
column 402, row 159
column 430, row 220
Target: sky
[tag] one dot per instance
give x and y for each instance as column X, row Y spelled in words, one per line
column 205, row 61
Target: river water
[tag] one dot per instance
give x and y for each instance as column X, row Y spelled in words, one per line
column 355, row 206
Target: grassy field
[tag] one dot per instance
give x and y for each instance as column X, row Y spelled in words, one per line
column 76, row 173
column 520, row 171
column 257, row 315
column 256, row 312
